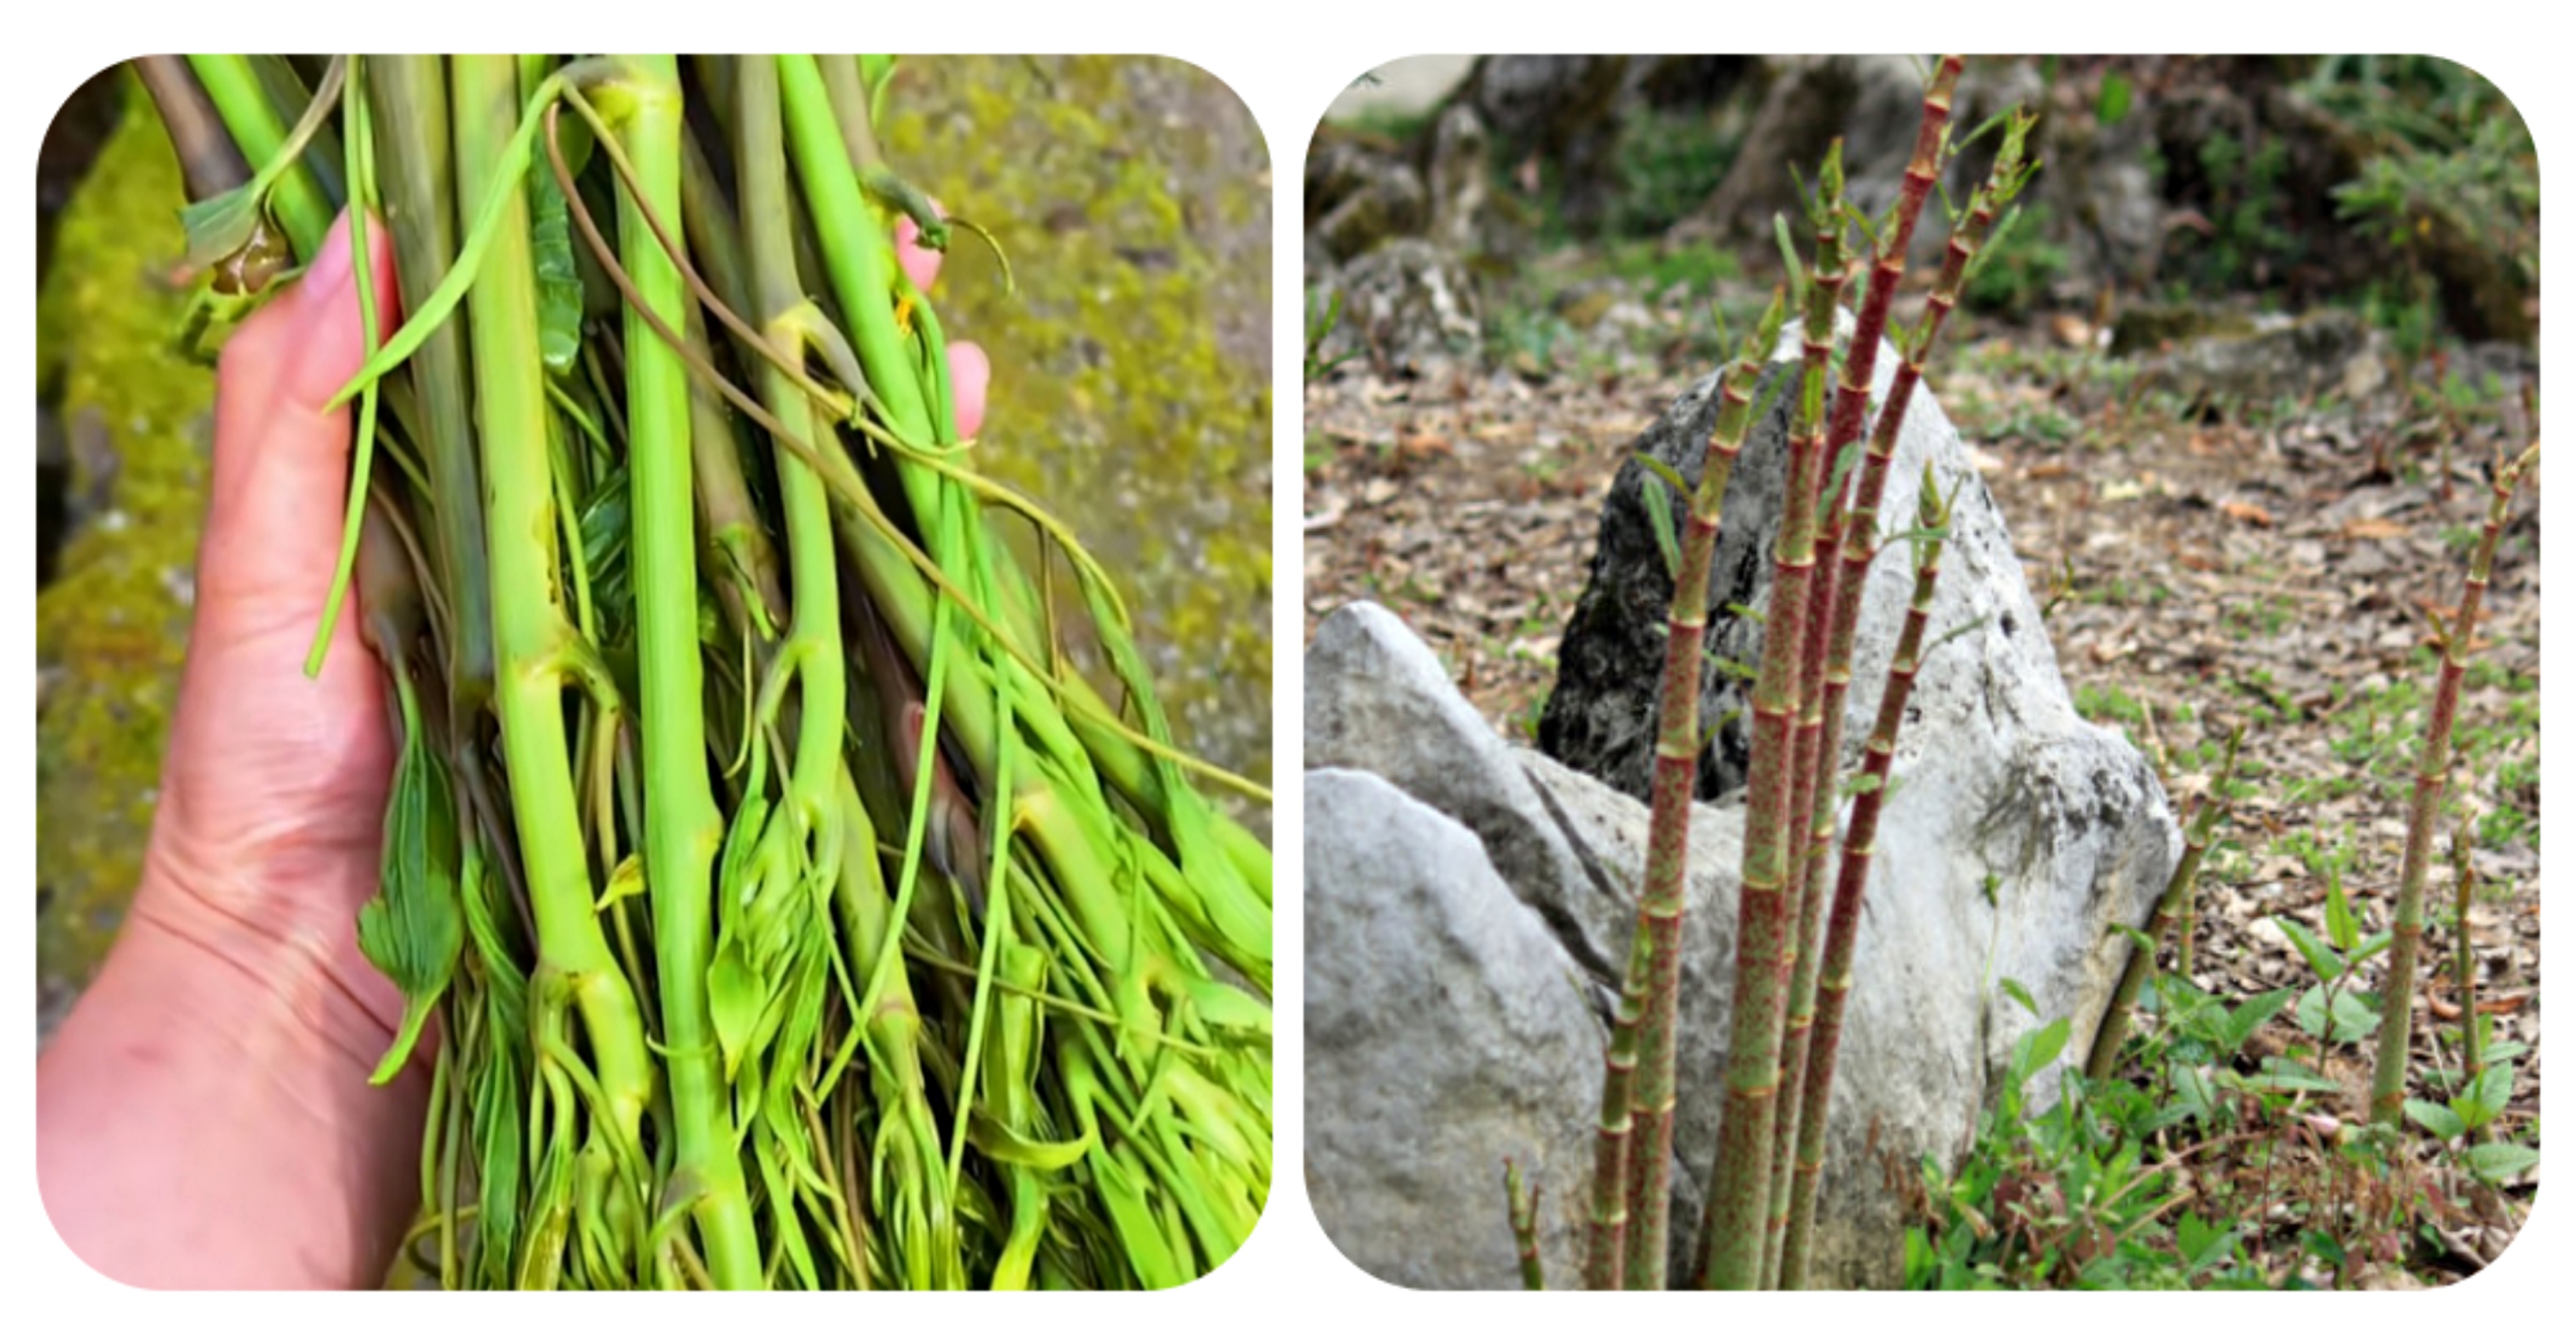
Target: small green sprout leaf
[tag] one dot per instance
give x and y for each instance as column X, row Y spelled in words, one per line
column 2320, row 957
column 2341, row 927
column 1659, row 515
column 2500, row 1160
column 2433, row 1118
column 414, row 928
column 733, row 1002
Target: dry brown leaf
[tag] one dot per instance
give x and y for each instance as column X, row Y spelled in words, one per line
column 2373, row 526
column 2248, row 512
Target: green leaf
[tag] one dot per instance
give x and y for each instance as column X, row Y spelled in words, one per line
column 2287, row 1077
column 2241, row 1023
column 1672, row 476
column 1789, row 253
column 2341, row 928
column 2486, row 1098
column 1004, row 1146
column 2193, row 1091
column 2038, row 1049
column 2496, row 1161
column 559, row 296
column 1922, row 1264
column 734, row 879
column 1993, row 246
column 220, row 225
column 1659, row 516
column 2439, row 1121
column 625, row 882
column 2352, row 1018
column 2204, row 1245
column 733, row 1001
column 2321, row 957
column 2112, row 107
column 2014, row 990
column 413, row 928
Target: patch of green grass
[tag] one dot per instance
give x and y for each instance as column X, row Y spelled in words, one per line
column 1658, row 268
column 2264, row 617
column 2380, row 733
column 2118, row 591
column 2147, row 1178
column 2102, row 704
column 1667, row 163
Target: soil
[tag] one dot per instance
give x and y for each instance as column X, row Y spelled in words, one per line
column 2271, row 565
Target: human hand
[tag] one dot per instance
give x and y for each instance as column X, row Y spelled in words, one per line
column 204, row 1117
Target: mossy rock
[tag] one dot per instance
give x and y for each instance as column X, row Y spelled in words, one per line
column 2150, row 327
column 1131, row 391
column 111, row 629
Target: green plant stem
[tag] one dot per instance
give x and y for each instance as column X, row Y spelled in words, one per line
column 419, row 186
column 535, row 645
column 1834, row 978
column 240, row 97
column 2396, row 1025
column 814, row 639
column 1859, row 549
column 681, row 825
column 1739, row 1186
column 2170, row 907
column 1834, row 617
column 1605, row 1233
column 857, row 249
column 2464, row 970
column 1661, row 900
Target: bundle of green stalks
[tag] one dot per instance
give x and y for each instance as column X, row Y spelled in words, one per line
column 1797, row 924
column 776, row 901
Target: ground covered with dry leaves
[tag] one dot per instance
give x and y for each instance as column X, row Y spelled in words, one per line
column 2270, row 564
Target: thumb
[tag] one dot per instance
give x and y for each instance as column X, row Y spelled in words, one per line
column 281, row 461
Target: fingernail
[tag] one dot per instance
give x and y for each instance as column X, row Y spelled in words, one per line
column 329, row 271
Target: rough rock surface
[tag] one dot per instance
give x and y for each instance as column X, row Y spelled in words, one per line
column 2330, row 351
column 2015, row 837
column 1359, row 195
column 1378, row 700
column 1443, row 1027
column 1408, row 306
column 1460, row 182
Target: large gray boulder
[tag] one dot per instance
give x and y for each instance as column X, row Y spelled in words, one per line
column 1379, row 701
column 2015, row 839
column 1443, row 1025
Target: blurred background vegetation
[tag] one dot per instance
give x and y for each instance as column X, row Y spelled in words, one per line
column 1131, row 396
column 1545, row 195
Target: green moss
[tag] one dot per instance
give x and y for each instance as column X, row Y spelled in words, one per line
column 110, row 630
column 1131, row 390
